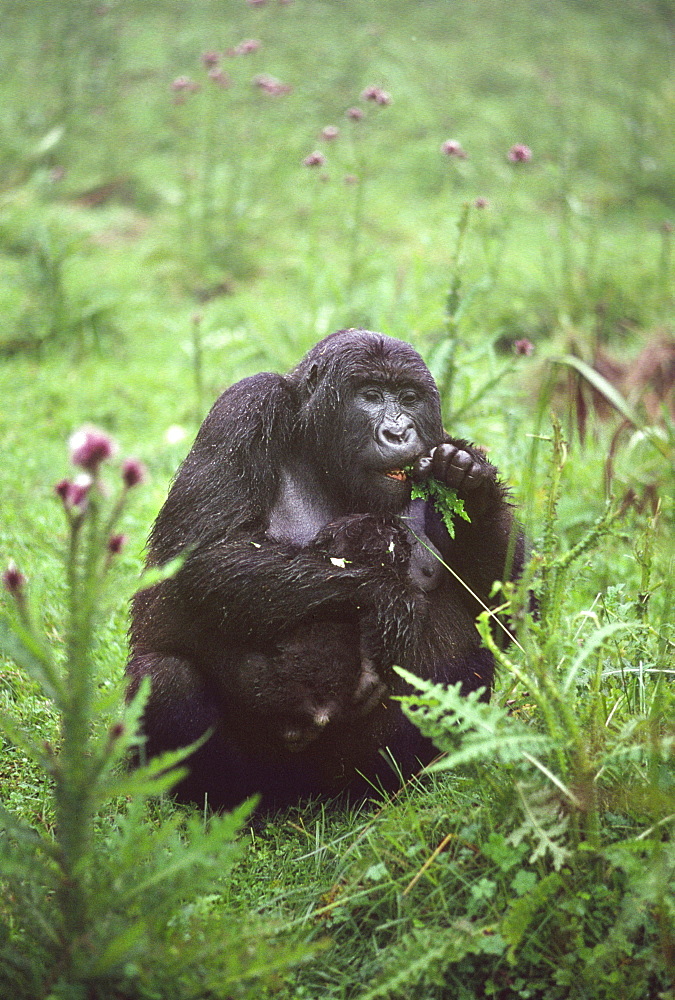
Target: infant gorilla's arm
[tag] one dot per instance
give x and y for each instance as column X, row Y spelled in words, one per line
column 368, row 539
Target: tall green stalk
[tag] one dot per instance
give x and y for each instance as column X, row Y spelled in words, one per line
column 452, row 308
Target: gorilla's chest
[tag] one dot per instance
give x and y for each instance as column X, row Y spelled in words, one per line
column 300, row 510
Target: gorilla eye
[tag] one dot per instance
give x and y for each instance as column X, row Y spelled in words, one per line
column 371, row 394
column 409, row 397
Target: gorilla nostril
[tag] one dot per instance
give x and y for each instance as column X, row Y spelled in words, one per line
column 391, row 437
column 396, row 435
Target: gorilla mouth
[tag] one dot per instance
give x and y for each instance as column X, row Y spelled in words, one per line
column 399, row 474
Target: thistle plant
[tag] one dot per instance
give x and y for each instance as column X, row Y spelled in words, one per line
column 355, row 139
column 576, row 771
column 104, row 901
column 378, row 98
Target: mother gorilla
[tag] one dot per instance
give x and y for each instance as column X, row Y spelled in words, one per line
column 309, row 572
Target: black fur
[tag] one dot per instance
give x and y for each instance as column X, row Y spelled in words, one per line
column 309, row 573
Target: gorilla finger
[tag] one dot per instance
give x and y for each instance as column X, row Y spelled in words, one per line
column 477, row 476
column 368, row 679
column 421, row 469
column 377, row 694
column 450, row 464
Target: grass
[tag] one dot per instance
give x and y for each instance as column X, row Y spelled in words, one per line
column 129, row 221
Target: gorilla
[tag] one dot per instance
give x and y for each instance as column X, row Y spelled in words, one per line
column 309, row 571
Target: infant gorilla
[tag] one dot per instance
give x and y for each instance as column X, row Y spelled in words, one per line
column 328, row 671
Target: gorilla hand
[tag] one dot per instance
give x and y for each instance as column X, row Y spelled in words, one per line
column 458, row 466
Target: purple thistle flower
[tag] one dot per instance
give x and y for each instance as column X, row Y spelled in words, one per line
column 116, row 544
column 315, row 159
column 524, row 347
column 220, row 77
column 133, row 472
column 330, row 132
column 481, row 203
column 256, row 3
column 356, row 114
column 270, row 85
column 62, row 489
column 210, row 59
column 89, row 447
column 520, row 153
column 245, row 47
column 13, row 579
column 183, row 84
column 376, row 94
column 453, row 148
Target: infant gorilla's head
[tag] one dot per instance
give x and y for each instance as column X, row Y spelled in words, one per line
column 306, row 686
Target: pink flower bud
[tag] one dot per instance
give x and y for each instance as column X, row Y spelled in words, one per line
column 315, row 159
column 210, row 59
column 89, row 447
column 329, row 133
column 481, row 203
column 270, row 85
column 116, row 544
column 13, row 579
column 133, row 472
column 356, row 114
column 376, row 94
column 246, row 47
column 73, row 494
column 453, row 148
column 184, row 84
column 520, row 153
column 524, row 347
column 220, row 77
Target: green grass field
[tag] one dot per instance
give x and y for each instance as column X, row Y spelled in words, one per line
column 160, row 238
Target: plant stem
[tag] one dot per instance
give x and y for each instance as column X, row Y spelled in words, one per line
column 452, row 307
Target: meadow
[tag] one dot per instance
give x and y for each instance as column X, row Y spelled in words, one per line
column 191, row 192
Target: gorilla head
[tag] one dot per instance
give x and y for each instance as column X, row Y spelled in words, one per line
column 368, row 407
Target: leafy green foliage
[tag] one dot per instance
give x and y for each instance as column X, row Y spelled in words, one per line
column 444, row 499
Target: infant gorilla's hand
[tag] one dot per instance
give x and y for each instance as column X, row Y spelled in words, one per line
column 365, row 538
column 462, row 468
